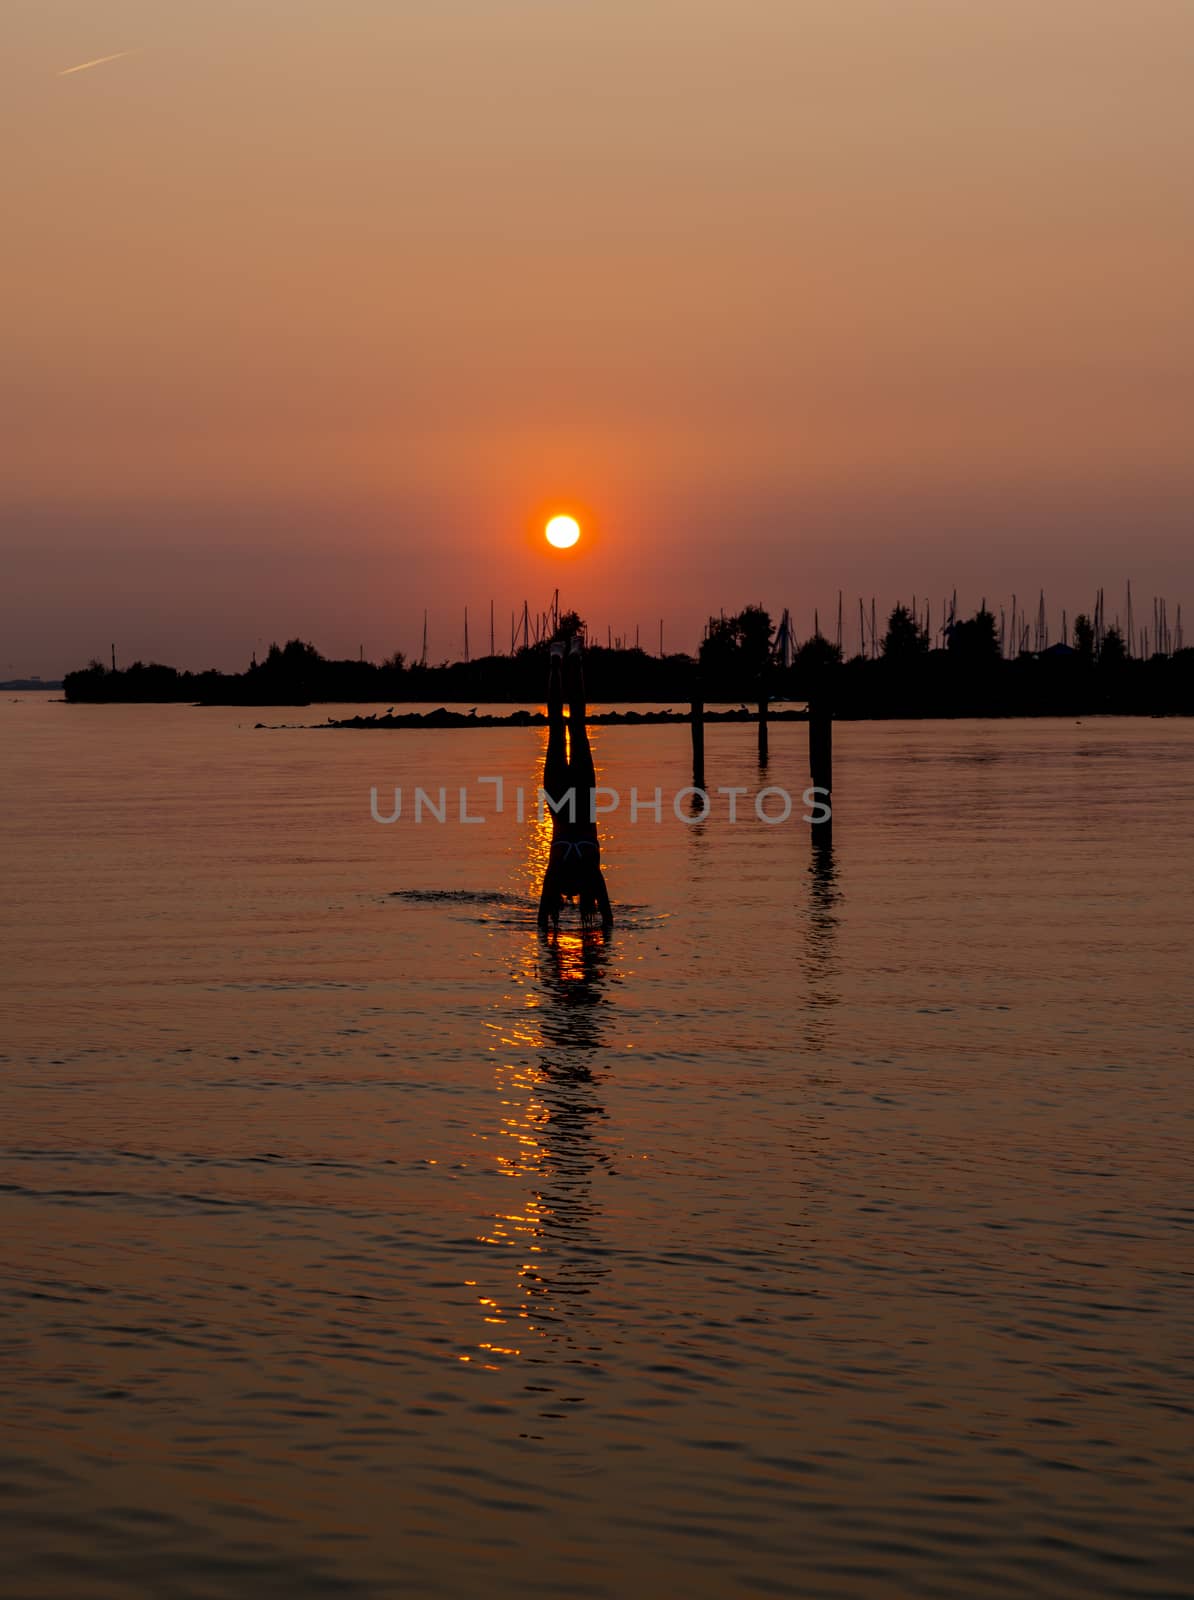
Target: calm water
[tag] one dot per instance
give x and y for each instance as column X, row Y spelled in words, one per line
column 825, row 1231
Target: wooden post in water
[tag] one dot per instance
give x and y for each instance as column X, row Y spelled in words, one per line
column 763, row 718
column 698, row 735
column 820, row 758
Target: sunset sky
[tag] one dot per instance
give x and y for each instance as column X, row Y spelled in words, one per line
column 313, row 313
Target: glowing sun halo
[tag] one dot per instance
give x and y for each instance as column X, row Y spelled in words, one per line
column 563, row 532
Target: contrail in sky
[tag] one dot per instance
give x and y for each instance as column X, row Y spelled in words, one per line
column 85, row 66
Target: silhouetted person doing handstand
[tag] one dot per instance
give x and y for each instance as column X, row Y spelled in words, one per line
column 574, row 864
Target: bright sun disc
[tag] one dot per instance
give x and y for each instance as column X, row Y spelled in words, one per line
column 563, row 532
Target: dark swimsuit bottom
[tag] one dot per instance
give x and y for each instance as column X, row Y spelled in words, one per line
column 574, row 860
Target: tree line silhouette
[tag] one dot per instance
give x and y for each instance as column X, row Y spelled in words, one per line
column 740, row 660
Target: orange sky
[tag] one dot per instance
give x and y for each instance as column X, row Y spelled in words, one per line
column 311, row 310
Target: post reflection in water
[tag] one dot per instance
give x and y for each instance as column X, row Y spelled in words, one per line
column 820, row 955
column 549, row 1133
column 817, row 953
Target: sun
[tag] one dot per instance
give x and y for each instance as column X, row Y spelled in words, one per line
column 563, row 532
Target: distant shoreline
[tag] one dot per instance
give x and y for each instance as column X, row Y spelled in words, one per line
column 442, row 717
column 739, row 664
column 445, row 717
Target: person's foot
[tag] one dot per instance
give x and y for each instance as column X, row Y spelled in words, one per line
column 574, row 676
column 555, row 682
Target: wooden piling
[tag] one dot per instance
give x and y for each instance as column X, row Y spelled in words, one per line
column 698, row 737
column 763, row 723
column 820, row 760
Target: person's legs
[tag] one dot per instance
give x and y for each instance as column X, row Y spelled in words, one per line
column 601, row 896
column 555, row 778
column 580, row 756
column 555, row 762
column 582, row 775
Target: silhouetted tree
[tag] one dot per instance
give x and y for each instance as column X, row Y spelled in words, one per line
column 737, row 652
column 570, row 624
column 755, row 631
column 905, row 639
column 1114, row 652
column 1084, row 636
column 816, row 655
column 719, row 648
column 296, row 655
column 975, row 642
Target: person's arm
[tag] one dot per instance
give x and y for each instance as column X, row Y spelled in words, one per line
column 607, row 916
column 549, row 900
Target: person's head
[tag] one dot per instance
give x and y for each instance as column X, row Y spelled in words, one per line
column 574, row 881
column 570, row 879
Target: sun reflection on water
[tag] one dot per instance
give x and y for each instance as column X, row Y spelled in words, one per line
column 547, row 1070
